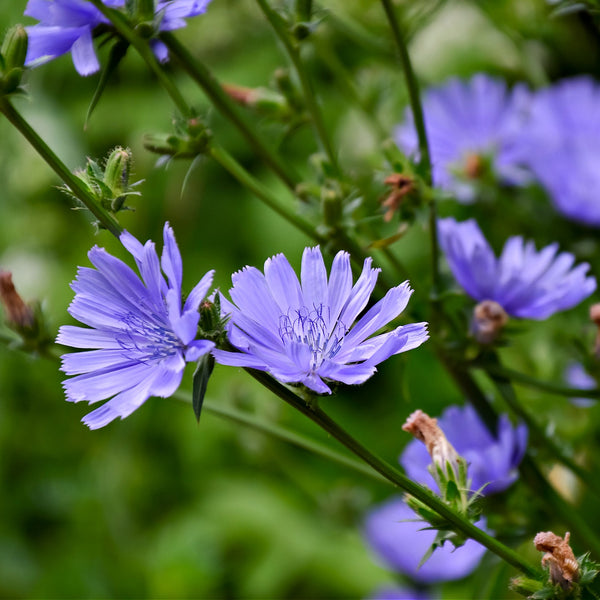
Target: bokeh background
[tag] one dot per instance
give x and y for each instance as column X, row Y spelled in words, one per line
column 158, row 506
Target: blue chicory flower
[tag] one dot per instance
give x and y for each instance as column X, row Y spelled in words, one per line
column 304, row 331
column 68, row 26
column 526, row 283
column 140, row 337
column 469, row 124
column 561, row 146
column 491, row 461
column 399, row 593
column 577, row 377
column 399, row 540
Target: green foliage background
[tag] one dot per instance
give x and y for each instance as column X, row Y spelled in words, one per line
column 157, row 505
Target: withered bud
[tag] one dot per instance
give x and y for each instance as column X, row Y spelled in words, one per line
column 474, row 166
column 562, row 564
column 17, row 312
column 595, row 318
column 242, row 95
column 401, row 185
column 426, row 429
column 489, row 318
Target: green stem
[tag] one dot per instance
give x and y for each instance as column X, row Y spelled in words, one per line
column 207, row 81
column 424, row 156
column 539, row 384
column 283, row 434
column 393, row 475
column 256, row 187
column 280, row 28
column 74, row 183
column 141, row 45
column 503, row 385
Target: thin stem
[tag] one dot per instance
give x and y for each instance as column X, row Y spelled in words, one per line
column 393, row 475
column 419, row 120
column 221, row 101
column 283, row 434
column 503, row 385
column 533, row 382
column 74, row 183
column 143, row 48
column 280, row 28
column 256, row 187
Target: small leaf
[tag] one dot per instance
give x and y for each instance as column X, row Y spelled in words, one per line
column 202, row 374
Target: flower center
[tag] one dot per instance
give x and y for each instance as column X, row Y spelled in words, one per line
column 145, row 340
column 313, row 328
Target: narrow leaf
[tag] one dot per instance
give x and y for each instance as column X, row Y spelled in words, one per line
column 202, row 374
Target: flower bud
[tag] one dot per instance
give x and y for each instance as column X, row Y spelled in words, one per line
column 18, row 314
column 489, row 318
column 262, row 100
column 144, row 10
column 13, row 51
column 332, row 207
column 401, row 185
column 595, row 318
column 116, row 172
column 559, row 557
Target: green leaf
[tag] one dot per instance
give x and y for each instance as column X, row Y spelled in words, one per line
column 205, row 367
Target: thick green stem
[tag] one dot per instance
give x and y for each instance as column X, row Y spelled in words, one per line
column 143, row 48
column 256, row 187
column 291, row 47
column 424, row 156
column 393, row 475
column 221, row 101
column 73, row 182
column 280, row 433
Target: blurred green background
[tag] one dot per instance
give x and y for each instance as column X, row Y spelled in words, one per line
column 157, row 506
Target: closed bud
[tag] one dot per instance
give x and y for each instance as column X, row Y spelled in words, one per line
column 18, row 314
column 489, row 319
column 262, row 100
column 117, row 170
column 332, row 207
column 144, row 10
column 14, row 48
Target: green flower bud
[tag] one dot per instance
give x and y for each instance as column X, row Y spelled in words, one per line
column 118, row 168
column 14, row 48
column 144, row 10
column 332, row 207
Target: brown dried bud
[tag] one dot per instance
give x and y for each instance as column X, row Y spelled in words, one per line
column 595, row 318
column 242, row 95
column 426, row 429
column 474, row 166
column 562, row 564
column 17, row 312
column 401, row 186
column 489, row 318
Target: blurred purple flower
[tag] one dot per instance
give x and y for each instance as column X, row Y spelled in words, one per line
column 400, row 542
column 526, row 283
column 491, row 460
column 561, row 146
column 399, row 593
column 577, row 377
column 140, row 336
column 470, row 124
column 67, row 26
column 304, row 331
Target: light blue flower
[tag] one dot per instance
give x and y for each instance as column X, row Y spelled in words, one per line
column 140, row 336
column 526, row 283
column 68, row 26
column 492, row 460
column 561, row 146
column 468, row 124
column 305, row 331
column 577, row 377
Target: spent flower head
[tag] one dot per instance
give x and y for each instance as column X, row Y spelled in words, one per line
column 472, row 127
column 526, row 283
column 304, row 331
column 139, row 336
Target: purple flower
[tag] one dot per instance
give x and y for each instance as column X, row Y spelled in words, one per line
column 578, row 377
column 304, row 331
column 562, row 146
column 526, row 283
column 140, row 336
column 491, row 460
column 470, row 124
column 400, row 542
column 68, row 26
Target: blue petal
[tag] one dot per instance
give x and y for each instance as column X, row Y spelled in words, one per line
column 340, row 286
column 198, row 348
column 84, row 54
column 199, row 292
column 82, row 337
column 313, row 276
column 360, row 294
column 171, row 259
column 283, row 283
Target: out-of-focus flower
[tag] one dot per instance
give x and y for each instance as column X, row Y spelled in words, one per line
column 526, row 283
column 140, row 335
column 400, row 542
column 473, row 127
column 491, row 460
column 305, row 331
column 561, row 146
column 577, row 377
column 68, row 26
column 399, row 593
